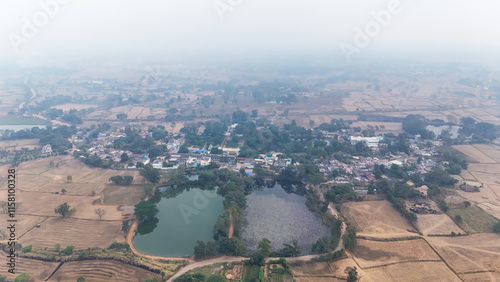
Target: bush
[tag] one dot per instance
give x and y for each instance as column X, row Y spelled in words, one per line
column 27, row 249
column 68, row 251
column 496, row 227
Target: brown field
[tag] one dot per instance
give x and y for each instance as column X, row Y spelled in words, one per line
column 484, row 173
column 308, row 271
column 491, row 209
column 317, row 279
column 377, row 218
column 479, row 252
column 102, row 270
column 67, row 107
column 475, row 154
column 76, row 232
column 123, row 195
column 37, row 175
column 411, row 271
column 481, row 277
column 43, row 204
column 437, row 224
column 374, row 253
column 37, row 269
column 11, row 145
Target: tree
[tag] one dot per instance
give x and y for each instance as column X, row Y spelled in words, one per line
column 69, row 178
column 63, row 191
column 458, row 219
column 291, row 250
column 128, row 179
column 68, row 251
column 145, row 210
column 80, row 279
column 117, row 179
column 100, row 212
column 211, row 248
column 57, row 247
column 496, row 227
column 124, row 157
column 265, row 247
column 121, row 116
column 215, row 278
column 22, row 277
column 64, row 210
column 151, row 174
column 27, row 249
column 352, row 274
column 467, row 204
column 199, row 249
column 255, row 113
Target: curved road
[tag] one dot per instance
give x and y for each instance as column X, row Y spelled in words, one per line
column 239, row 259
column 194, row 265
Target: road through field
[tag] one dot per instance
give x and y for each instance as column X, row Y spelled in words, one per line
column 239, row 259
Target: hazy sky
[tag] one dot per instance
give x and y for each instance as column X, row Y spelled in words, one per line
column 246, row 27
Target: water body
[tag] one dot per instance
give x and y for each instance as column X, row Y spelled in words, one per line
column 17, row 127
column 281, row 217
column 453, row 129
column 182, row 220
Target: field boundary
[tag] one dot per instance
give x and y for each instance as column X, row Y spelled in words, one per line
column 396, row 239
column 46, row 217
column 404, row 261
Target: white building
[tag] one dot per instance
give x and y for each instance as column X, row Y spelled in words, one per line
column 371, row 142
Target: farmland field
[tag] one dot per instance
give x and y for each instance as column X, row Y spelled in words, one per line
column 251, row 273
column 308, row 271
column 374, row 253
column 37, row 269
column 437, row 224
column 377, row 218
column 474, row 253
column 102, row 270
column 411, row 271
column 76, row 232
column 43, row 204
column 474, row 219
column 39, row 176
column 123, row 195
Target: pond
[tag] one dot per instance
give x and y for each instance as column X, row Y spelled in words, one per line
column 182, row 220
column 453, row 129
column 281, row 217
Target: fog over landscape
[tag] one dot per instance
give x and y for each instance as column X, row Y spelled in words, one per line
column 240, row 29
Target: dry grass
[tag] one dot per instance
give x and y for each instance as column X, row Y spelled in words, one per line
column 39, row 270
column 38, row 176
column 479, row 252
column 474, row 154
column 374, row 253
column 102, row 270
column 411, row 271
column 437, row 224
column 76, row 232
column 123, row 195
column 377, row 218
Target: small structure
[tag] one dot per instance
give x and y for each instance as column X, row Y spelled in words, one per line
column 46, row 150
